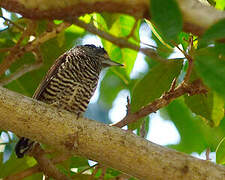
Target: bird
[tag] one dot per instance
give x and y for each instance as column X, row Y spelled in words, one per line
column 70, row 83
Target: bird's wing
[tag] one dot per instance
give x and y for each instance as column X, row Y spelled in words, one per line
column 51, row 73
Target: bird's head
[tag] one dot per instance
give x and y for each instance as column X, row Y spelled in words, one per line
column 101, row 55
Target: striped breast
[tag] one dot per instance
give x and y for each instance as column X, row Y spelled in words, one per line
column 72, row 85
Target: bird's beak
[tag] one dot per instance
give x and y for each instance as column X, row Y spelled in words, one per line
column 108, row 62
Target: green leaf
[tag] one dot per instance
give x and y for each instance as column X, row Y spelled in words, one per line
column 220, row 4
column 167, row 17
column 195, row 136
column 139, row 124
column 155, row 83
column 220, row 152
column 210, row 64
column 212, row 2
column 125, row 56
column 209, row 106
column 78, row 162
column 158, row 35
column 109, row 19
column 215, row 32
column 129, row 58
column 1, row 12
column 75, row 29
column 121, row 26
column 13, row 165
column 111, row 173
column 35, row 176
column 163, row 49
column 183, row 39
column 191, row 135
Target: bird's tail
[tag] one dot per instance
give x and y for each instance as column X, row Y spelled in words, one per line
column 23, row 146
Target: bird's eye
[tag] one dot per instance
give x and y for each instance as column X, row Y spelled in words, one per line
column 106, row 56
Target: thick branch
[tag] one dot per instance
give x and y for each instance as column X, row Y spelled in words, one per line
column 110, row 146
column 195, row 14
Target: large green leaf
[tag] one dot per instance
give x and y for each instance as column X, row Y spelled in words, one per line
column 13, row 165
column 209, row 106
column 220, row 4
column 121, row 26
column 167, row 18
column 155, row 83
column 162, row 50
column 215, row 32
column 210, row 64
column 195, row 135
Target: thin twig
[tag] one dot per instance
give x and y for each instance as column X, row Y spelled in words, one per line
column 20, row 72
column 149, row 45
column 128, row 105
column 25, row 68
column 131, row 34
column 46, row 165
column 189, row 58
column 13, row 51
column 143, row 130
column 207, row 154
column 189, row 70
column 20, row 51
column 173, row 85
column 35, row 169
column 81, row 172
column 196, row 87
column 23, row 174
column 103, row 173
column 5, row 49
column 21, row 28
column 94, row 172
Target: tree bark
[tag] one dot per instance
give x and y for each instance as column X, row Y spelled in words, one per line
column 110, row 146
column 197, row 16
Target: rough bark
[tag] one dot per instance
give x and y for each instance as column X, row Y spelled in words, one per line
column 110, row 146
column 197, row 16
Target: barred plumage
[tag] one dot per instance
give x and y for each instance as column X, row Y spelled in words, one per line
column 70, row 83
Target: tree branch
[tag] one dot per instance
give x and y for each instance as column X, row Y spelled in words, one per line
column 46, row 165
column 20, row 72
column 18, row 51
column 119, row 41
column 196, row 87
column 195, row 14
column 63, row 131
column 21, row 28
column 35, row 169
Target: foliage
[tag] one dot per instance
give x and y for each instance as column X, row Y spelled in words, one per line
column 199, row 119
